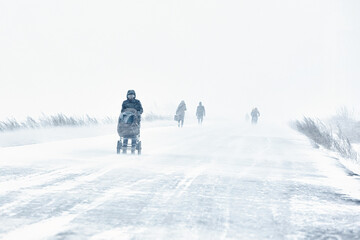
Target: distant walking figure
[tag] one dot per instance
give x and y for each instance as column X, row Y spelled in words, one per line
column 200, row 113
column 180, row 113
column 255, row 114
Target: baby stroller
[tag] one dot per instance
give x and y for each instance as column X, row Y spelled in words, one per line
column 129, row 128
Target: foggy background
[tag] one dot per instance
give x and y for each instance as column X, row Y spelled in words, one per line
column 288, row 58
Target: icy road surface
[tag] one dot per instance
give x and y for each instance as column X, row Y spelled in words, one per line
column 228, row 181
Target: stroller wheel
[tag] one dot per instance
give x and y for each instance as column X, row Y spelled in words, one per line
column 124, row 146
column 133, row 145
column 124, row 149
column 118, row 147
column 139, row 148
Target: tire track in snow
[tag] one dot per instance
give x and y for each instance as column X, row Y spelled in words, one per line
column 31, row 193
column 163, row 196
column 53, row 226
column 185, row 183
column 258, row 155
column 171, row 196
column 30, row 181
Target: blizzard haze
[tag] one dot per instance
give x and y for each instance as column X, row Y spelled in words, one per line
column 285, row 57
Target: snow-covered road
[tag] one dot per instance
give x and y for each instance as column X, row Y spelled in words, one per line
column 216, row 181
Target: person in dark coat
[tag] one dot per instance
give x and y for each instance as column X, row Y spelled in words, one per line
column 131, row 102
column 255, row 114
column 180, row 113
column 200, row 112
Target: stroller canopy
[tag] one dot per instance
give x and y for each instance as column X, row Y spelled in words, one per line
column 129, row 123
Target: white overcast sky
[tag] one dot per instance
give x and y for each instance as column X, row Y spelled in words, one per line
column 286, row 57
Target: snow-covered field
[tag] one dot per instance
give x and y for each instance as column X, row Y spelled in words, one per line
column 216, row 181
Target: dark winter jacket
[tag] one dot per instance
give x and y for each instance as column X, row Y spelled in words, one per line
column 200, row 111
column 132, row 103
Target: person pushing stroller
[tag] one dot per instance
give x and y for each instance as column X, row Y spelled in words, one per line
column 129, row 123
column 131, row 102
